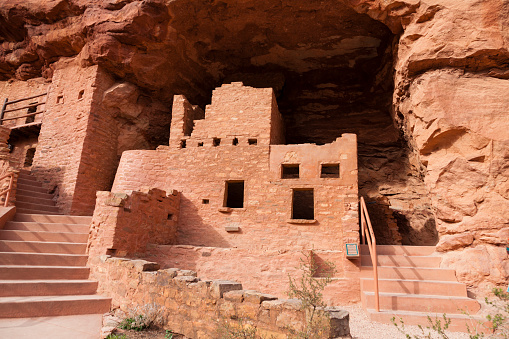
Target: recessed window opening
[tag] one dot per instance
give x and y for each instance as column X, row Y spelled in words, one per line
column 183, row 143
column 170, row 216
column 216, row 142
column 200, row 144
column 60, row 99
column 29, row 158
column 252, row 141
column 80, row 94
column 234, row 194
column 31, row 109
column 289, row 171
column 235, row 142
column 329, row 171
column 205, row 201
column 303, row 204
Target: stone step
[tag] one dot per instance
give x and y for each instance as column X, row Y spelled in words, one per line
column 459, row 322
column 44, row 236
column 31, row 188
column 412, row 273
column 399, row 250
column 33, row 211
column 49, row 209
column 28, row 181
column 46, row 227
column 447, row 288
column 45, row 259
column 421, row 303
column 42, row 247
column 62, row 219
column 403, row 261
column 33, row 194
column 25, row 288
column 34, row 200
column 43, row 306
column 24, row 272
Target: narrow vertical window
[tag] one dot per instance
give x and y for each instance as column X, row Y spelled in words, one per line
column 303, row 204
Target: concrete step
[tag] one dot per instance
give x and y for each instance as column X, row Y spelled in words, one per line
column 33, row 211
column 28, row 181
column 49, row 209
column 403, row 261
column 33, row 194
column 412, row 273
column 399, row 250
column 24, row 288
column 43, row 236
column 459, row 322
column 43, row 306
column 45, row 259
column 34, row 200
column 447, row 288
column 421, row 303
column 24, row 272
column 63, row 219
column 46, row 227
column 31, row 188
column 42, row 247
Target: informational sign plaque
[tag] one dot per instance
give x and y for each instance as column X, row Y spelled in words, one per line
column 352, row 250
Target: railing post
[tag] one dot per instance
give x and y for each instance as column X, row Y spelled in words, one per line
column 3, row 110
column 8, row 195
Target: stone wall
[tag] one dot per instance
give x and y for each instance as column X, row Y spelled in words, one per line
column 124, row 224
column 6, row 166
column 194, row 307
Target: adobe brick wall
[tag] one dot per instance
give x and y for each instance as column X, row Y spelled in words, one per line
column 77, row 143
column 127, row 223
column 194, row 306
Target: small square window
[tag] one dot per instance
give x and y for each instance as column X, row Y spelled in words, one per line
column 289, row 171
column 252, row 141
column 80, row 94
column 183, row 143
column 200, row 144
column 205, row 201
column 329, row 171
column 216, row 142
column 60, row 99
column 170, row 216
column 235, row 142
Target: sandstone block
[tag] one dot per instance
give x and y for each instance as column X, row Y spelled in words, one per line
column 234, row 296
column 453, row 242
column 145, row 266
column 339, row 322
column 219, row 287
column 257, row 297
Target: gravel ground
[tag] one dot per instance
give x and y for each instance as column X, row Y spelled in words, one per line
column 362, row 328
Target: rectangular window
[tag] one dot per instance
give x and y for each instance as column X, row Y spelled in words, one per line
column 216, row 142
column 234, row 194
column 303, row 204
column 289, row 171
column 330, row 171
column 252, row 141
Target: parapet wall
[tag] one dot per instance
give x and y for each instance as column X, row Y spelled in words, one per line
column 124, row 224
column 196, row 307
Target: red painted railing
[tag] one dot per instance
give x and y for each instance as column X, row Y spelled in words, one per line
column 367, row 235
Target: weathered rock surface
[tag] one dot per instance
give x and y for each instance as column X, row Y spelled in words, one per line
column 423, row 83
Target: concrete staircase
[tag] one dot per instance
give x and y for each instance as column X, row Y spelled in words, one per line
column 412, row 286
column 42, row 259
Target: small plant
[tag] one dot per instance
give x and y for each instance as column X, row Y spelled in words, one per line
column 137, row 323
column 116, row 336
column 309, row 290
column 169, row 334
column 238, row 330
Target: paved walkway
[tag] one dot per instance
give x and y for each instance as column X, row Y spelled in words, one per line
column 65, row 327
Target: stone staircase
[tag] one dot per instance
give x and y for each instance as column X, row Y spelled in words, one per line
column 42, row 259
column 412, row 286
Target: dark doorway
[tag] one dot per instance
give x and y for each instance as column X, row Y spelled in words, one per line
column 234, row 194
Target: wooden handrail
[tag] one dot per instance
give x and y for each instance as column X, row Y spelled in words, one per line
column 25, row 107
column 367, row 235
column 7, row 192
column 23, row 116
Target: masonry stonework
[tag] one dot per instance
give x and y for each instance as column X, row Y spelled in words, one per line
column 264, row 223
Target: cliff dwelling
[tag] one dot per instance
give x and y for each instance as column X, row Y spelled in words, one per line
column 211, row 136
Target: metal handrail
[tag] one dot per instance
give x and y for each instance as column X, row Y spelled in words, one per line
column 368, row 235
column 7, row 192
